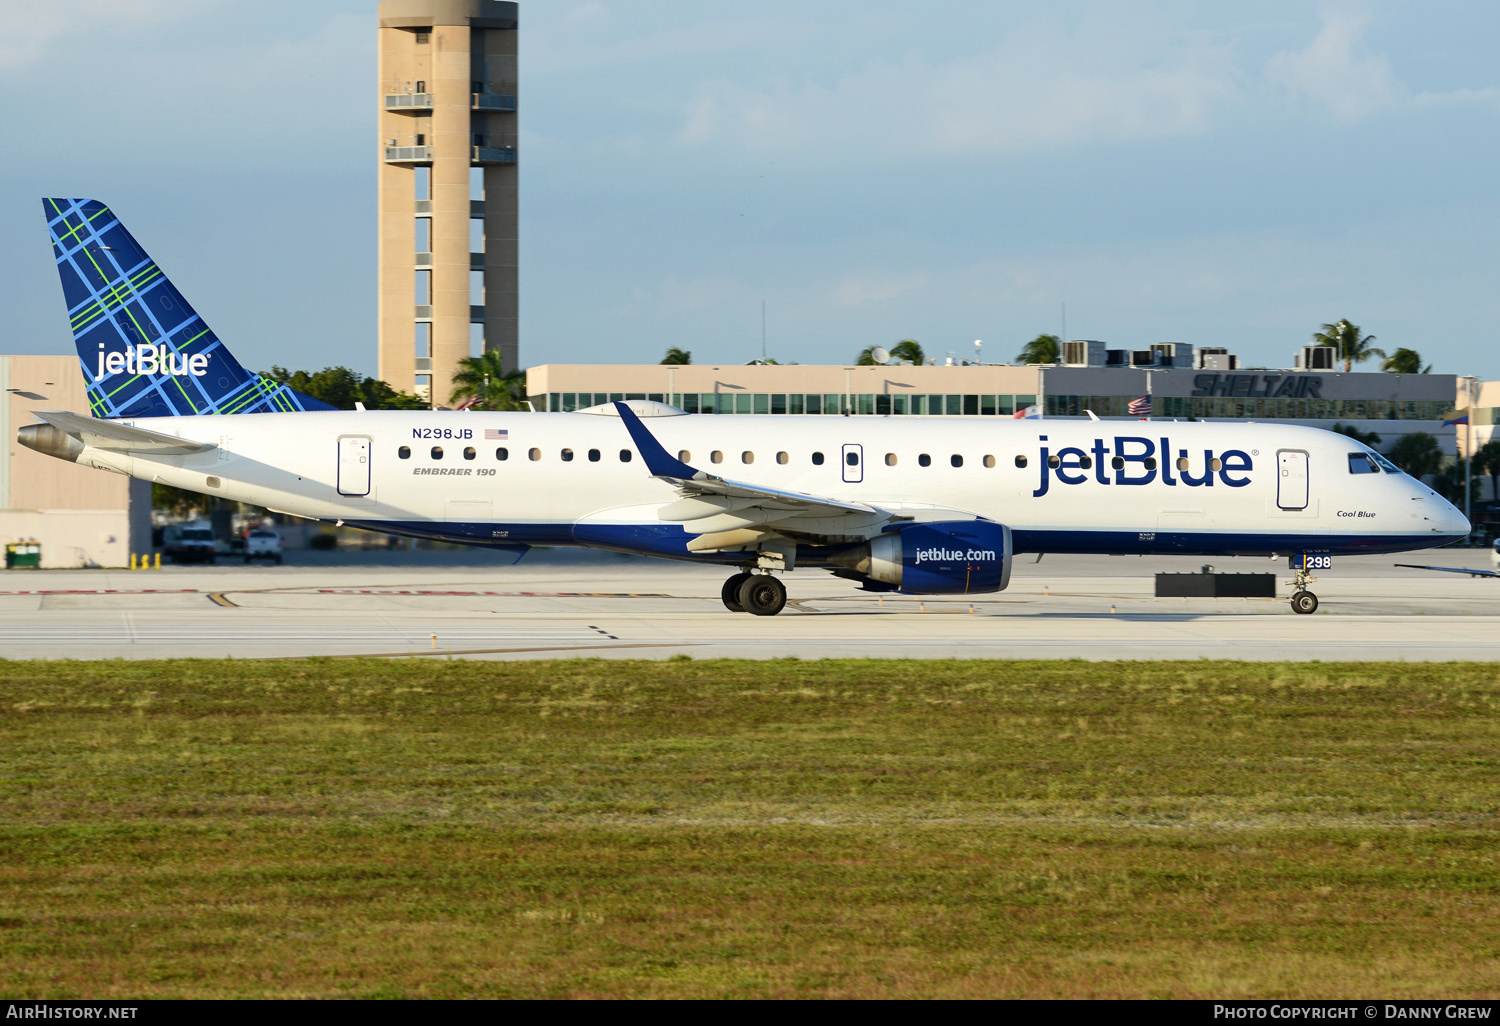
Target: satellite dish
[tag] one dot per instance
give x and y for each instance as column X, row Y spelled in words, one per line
column 880, row 355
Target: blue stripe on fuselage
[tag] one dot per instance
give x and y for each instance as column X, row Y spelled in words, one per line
column 670, row 540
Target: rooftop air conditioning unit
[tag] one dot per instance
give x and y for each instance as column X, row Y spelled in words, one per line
column 1083, row 353
column 1174, row 354
column 1215, row 358
column 1317, row 358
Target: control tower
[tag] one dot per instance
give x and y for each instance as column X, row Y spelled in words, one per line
column 448, row 196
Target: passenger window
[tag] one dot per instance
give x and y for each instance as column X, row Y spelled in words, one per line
column 1086, row 462
column 783, row 458
column 685, row 456
column 1117, row 462
column 502, row 453
column 1359, row 463
column 534, row 455
column 1151, row 463
column 1182, row 463
column 1214, row 464
column 1054, row 462
column 470, row 452
column 924, row 460
column 437, row 452
column 817, row 459
column 956, row 460
column 625, row 455
column 890, row 459
column 989, row 462
column 404, row 452
column 851, row 458
column 716, row 457
column 593, row 455
column 1021, row 461
column 747, row 457
column 567, row 455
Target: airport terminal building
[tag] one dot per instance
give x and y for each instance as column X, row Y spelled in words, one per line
column 1166, row 381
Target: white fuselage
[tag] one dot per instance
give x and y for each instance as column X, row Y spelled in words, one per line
column 1060, row 485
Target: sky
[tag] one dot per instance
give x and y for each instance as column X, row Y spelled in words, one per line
column 1136, row 172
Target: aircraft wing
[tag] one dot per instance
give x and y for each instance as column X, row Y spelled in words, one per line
column 733, row 514
column 1453, row 570
column 113, row 437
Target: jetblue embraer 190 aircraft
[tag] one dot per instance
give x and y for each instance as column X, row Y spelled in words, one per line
column 921, row 506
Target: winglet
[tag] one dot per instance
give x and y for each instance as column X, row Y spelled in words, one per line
column 660, row 462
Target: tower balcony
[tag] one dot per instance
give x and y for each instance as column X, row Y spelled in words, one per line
column 408, row 101
column 485, row 155
column 490, row 101
column 409, row 155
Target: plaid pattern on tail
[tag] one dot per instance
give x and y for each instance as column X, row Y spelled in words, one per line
column 145, row 351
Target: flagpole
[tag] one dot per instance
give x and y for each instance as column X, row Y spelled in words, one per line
column 1468, row 456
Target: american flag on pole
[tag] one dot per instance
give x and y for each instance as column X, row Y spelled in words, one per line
column 1139, row 406
column 491, row 435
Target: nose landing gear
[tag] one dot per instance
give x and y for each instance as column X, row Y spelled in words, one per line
column 1303, row 601
column 758, row 594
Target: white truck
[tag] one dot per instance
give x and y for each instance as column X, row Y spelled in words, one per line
column 191, row 541
column 262, row 543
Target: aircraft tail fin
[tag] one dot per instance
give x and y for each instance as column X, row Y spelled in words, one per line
column 145, row 351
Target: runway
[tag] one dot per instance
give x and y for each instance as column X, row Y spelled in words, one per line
column 596, row 605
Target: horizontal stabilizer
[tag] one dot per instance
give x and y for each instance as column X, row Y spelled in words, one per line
column 113, row 437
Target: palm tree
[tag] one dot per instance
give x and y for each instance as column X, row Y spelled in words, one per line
column 484, row 379
column 910, row 350
column 1417, row 454
column 678, row 357
column 1486, row 460
column 1405, row 361
column 1042, row 349
column 866, row 357
column 1344, row 336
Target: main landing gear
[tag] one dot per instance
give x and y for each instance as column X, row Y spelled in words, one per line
column 758, row 594
column 1303, row 601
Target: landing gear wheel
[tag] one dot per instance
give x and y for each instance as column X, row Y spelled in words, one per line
column 730, row 593
column 1304, row 602
column 763, row 595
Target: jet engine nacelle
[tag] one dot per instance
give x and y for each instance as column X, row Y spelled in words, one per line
column 963, row 557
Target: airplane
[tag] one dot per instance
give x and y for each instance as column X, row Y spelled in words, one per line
column 929, row 506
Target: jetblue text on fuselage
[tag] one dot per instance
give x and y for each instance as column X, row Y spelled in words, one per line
column 1132, row 460
column 145, row 358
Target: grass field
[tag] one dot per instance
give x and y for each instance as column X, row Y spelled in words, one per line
column 845, row 829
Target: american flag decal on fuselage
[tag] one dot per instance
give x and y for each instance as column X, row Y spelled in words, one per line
column 491, row 435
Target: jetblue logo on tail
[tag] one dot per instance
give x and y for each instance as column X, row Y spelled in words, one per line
column 142, row 348
column 149, row 359
column 1133, row 461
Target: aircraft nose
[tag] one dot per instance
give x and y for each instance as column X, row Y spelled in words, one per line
column 1448, row 519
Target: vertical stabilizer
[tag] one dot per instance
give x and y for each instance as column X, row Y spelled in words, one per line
column 144, row 349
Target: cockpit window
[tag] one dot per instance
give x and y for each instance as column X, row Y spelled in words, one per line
column 1361, row 463
column 1386, row 465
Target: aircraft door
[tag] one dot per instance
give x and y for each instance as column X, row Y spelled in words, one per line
column 1291, row 479
column 354, row 464
column 854, row 464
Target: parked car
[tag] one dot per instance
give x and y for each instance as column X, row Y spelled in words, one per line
column 262, row 543
column 189, row 542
